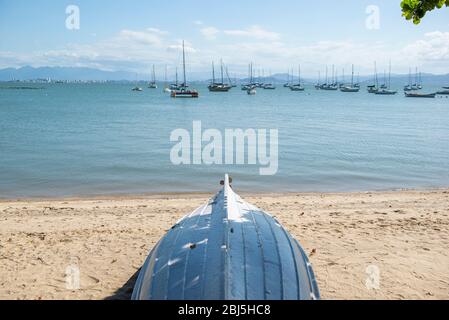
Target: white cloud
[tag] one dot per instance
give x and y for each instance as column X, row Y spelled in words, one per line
column 158, row 31
column 434, row 47
column 136, row 50
column 210, row 33
column 255, row 32
column 145, row 37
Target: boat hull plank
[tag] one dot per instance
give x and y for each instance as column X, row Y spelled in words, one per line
column 227, row 250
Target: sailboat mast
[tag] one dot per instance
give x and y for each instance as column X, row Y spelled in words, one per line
column 416, row 75
column 227, row 75
column 376, row 79
column 222, row 78
column 333, row 74
column 165, row 77
column 213, row 73
column 184, row 63
column 154, row 74
column 389, row 75
column 326, row 75
column 352, row 77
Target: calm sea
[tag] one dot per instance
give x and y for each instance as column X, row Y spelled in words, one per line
column 94, row 139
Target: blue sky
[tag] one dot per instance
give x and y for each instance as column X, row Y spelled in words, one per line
column 131, row 35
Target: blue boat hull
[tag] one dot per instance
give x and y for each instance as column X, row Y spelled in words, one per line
column 227, row 250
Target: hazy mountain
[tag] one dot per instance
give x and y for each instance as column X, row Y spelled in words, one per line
column 85, row 74
column 63, row 73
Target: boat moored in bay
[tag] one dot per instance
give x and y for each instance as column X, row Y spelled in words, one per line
column 183, row 91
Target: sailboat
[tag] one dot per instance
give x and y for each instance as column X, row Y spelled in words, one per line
column 227, row 249
column 329, row 86
column 231, row 84
column 350, row 88
column 417, row 85
column 175, row 86
column 218, row 86
column 287, row 84
column 384, row 85
column 137, row 88
column 183, row 91
column 387, row 90
column 374, row 87
column 249, row 84
column 318, row 84
column 357, row 84
column 152, row 84
column 166, row 87
column 269, row 85
column 298, row 86
column 251, row 90
column 413, row 87
column 343, row 83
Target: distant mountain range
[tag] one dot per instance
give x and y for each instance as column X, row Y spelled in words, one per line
column 90, row 74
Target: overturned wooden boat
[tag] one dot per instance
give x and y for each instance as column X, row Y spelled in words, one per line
column 227, row 250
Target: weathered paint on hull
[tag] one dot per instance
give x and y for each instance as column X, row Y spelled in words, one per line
column 227, row 250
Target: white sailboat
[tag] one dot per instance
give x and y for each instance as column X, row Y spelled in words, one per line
column 251, row 90
column 183, row 90
column 350, row 88
column 166, row 87
column 387, row 90
column 152, row 84
column 298, row 86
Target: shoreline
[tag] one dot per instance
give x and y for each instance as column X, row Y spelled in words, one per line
column 190, row 194
column 403, row 233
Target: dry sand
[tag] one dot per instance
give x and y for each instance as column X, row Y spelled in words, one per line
column 405, row 234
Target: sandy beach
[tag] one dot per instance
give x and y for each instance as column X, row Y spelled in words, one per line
column 402, row 234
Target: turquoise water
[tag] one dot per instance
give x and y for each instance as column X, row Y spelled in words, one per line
column 93, row 139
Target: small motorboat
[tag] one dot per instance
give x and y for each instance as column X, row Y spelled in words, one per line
column 138, row 89
column 227, row 249
column 419, row 95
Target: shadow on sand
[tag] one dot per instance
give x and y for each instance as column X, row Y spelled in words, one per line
column 125, row 292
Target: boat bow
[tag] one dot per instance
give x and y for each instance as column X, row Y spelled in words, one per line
column 227, row 249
